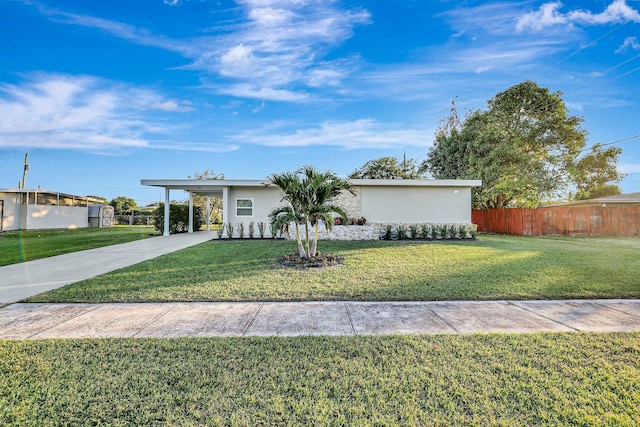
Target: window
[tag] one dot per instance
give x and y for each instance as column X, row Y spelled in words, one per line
column 244, row 207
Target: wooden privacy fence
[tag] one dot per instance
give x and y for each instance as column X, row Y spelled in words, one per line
column 561, row 220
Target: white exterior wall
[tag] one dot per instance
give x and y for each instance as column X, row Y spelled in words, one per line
column 17, row 216
column 42, row 217
column 264, row 200
column 414, row 205
column 11, row 215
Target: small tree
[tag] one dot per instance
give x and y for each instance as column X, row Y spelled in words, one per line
column 123, row 205
column 309, row 195
column 201, row 201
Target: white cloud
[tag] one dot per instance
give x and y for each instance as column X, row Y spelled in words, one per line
column 490, row 18
column 78, row 112
column 279, row 49
column 618, row 12
column 358, row 134
column 211, row 147
column 629, row 43
column 629, row 168
column 546, row 16
column 261, row 92
column 279, row 45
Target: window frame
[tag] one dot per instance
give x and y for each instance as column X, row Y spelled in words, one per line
column 238, row 215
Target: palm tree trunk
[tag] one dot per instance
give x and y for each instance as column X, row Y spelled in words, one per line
column 306, row 229
column 314, row 247
column 301, row 251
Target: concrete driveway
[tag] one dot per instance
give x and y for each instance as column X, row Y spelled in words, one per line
column 19, row 281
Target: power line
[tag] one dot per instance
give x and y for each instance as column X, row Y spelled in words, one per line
column 611, row 143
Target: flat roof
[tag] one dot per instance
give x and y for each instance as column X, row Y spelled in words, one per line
column 216, row 185
column 42, row 191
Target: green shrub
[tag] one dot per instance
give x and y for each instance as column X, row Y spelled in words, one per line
column 261, row 229
column 426, row 231
column 252, row 229
column 413, row 231
column 387, row 233
column 178, row 218
column 241, row 229
column 402, row 232
column 229, row 228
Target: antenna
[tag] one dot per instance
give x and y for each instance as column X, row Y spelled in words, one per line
column 24, row 171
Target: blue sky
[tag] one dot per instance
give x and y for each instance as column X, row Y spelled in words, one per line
column 102, row 94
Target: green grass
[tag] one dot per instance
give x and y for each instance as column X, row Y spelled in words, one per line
column 20, row 246
column 528, row 379
column 493, row 267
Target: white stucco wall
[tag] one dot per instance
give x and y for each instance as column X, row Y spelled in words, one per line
column 16, row 216
column 43, row 217
column 381, row 204
column 264, row 200
column 378, row 204
column 11, row 211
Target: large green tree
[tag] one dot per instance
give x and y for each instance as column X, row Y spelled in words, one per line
column 525, row 147
column 387, row 168
column 310, row 199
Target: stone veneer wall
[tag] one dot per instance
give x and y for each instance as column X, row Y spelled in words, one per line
column 373, row 231
column 351, row 204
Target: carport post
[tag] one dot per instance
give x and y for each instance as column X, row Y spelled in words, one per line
column 166, row 211
column 208, row 213
column 190, row 212
column 225, row 206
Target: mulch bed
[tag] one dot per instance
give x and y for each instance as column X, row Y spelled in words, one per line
column 319, row 261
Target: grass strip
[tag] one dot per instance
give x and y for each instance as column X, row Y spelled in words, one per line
column 493, row 267
column 526, row 379
column 21, row 246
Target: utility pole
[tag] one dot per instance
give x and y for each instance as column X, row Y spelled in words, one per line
column 24, row 171
column 404, row 164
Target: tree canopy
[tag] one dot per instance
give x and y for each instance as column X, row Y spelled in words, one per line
column 595, row 174
column 387, row 168
column 526, row 148
column 123, row 205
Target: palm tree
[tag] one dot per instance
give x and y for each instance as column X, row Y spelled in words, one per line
column 309, row 194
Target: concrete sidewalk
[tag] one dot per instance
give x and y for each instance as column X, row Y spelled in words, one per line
column 19, row 281
column 170, row 320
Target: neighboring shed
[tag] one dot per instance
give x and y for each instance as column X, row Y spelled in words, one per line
column 380, row 201
column 28, row 209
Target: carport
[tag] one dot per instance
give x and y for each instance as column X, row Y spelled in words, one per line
column 208, row 188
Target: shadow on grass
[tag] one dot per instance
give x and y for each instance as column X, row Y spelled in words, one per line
column 494, row 267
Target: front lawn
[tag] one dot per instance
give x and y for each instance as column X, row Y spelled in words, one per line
column 21, row 246
column 493, row 267
column 515, row 380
